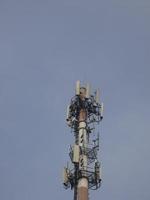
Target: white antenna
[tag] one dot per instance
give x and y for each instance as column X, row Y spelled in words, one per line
column 102, row 109
column 100, row 173
column 87, row 90
column 97, row 96
column 65, row 176
column 68, row 110
column 78, row 88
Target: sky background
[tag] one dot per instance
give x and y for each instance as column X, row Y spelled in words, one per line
column 45, row 46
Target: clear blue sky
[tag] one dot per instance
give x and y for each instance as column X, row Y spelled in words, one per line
column 45, row 46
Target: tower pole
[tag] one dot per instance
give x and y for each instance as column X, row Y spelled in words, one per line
column 83, row 181
column 83, row 112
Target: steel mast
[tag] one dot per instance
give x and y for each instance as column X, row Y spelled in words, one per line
column 83, row 112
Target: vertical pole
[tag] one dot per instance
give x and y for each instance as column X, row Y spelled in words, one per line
column 76, row 182
column 83, row 181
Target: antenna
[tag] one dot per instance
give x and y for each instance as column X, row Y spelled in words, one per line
column 77, row 87
column 85, row 173
column 102, row 109
column 97, row 96
column 87, row 90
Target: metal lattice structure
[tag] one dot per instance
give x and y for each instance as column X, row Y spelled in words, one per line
column 84, row 111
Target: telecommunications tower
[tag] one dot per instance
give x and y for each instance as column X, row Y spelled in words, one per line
column 83, row 112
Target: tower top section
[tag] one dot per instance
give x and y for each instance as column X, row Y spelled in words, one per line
column 84, row 100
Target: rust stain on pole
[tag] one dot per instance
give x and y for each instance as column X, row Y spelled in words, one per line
column 82, row 115
column 82, row 193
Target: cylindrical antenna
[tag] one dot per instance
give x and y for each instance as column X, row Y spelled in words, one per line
column 78, row 88
column 68, row 110
column 100, row 172
column 87, row 90
column 102, row 109
column 97, row 96
column 65, row 176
